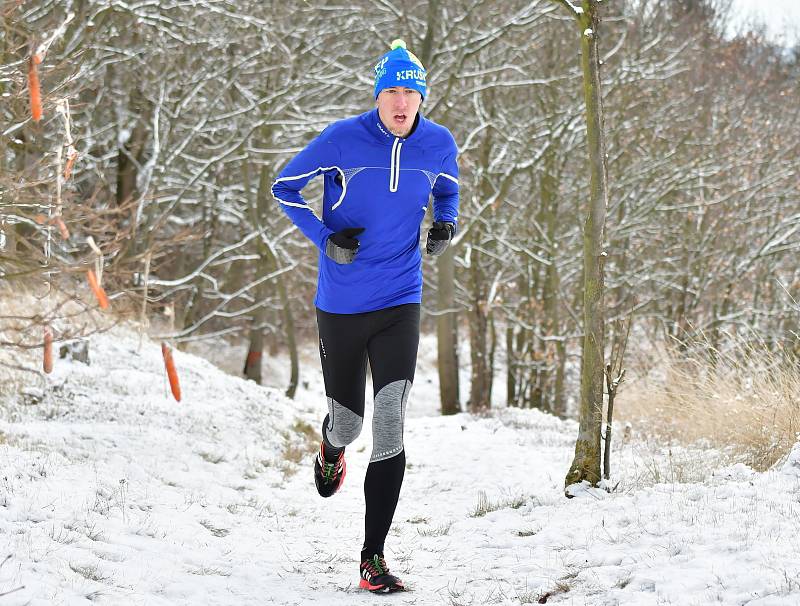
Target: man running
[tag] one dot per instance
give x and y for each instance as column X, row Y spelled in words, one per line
column 380, row 170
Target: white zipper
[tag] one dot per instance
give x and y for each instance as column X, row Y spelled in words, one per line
column 394, row 171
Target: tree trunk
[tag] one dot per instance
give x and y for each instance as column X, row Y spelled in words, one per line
column 492, row 353
column 559, row 395
column 291, row 340
column 131, row 152
column 480, row 380
column 255, row 340
column 511, row 380
column 447, row 335
column 194, row 305
column 482, row 374
column 586, row 464
column 446, row 321
column 555, row 349
column 432, row 21
column 270, row 262
column 255, row 349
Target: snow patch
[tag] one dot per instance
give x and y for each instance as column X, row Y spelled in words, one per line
column 735, row 473
column 791, row 467
column 113, row 492
column 584, row 490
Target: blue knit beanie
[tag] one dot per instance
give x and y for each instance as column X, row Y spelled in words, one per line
column 399, row 67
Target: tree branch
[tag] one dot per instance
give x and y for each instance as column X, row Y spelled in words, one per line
column 576, row 11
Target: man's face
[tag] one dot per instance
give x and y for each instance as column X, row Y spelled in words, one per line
column 397, row 108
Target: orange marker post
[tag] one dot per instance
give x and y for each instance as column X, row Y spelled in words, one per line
column 62, row 228
column 98, row 291
column 172, row 373
column 35, row 90
column 47, row 360
column 70, row 163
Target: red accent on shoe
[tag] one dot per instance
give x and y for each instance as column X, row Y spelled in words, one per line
column 377, row 570
column 365, row 584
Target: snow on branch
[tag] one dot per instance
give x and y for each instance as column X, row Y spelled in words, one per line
column 576, row 11
column 41, row 50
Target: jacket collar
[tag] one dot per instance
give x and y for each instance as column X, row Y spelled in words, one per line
column 373, row 123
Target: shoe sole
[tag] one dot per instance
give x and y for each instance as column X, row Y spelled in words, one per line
column 364, row 584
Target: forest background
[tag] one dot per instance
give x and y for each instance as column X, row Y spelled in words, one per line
column 164, row 124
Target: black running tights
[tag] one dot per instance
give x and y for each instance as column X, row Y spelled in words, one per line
column 388, row 338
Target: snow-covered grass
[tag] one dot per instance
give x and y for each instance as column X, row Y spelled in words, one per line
column 113, row 493
column 25, row 309
column 744, row 401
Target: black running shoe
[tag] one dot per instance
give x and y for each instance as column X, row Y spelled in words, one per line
column 375, row 576
column 328, row 476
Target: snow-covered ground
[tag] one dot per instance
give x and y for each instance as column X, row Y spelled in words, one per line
column 113, row 493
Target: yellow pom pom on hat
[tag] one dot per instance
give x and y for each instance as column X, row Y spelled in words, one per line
column 400, row 67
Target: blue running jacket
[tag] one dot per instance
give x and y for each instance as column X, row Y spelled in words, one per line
column 382, row 183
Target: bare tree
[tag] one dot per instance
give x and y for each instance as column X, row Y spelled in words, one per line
column 586, row 464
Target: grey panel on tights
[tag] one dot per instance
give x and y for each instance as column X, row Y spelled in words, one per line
column 388, row 419
column 343, row 424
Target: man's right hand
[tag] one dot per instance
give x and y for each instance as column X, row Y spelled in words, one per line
column 342, row 246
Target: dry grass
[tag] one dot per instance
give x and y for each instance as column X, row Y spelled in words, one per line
column 438, row 531
column 301, row 441
column 745, row 401
column 485, row 505
column 91, row 572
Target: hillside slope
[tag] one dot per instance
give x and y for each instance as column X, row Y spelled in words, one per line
column 113, row 493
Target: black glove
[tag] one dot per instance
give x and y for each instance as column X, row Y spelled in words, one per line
column 439, row 237
column 343, row 246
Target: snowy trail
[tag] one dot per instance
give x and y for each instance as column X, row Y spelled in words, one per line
column 112, row 493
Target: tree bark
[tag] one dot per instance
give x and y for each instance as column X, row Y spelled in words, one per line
column 480, row 379
column 555, row 349
column 447, row 335
column 255, row 349
column 131, row 152
column 511, row 379
column 432, row 20
column 482, row 375
column 291, row 339
column 446, row 321
column 586, row 463
column 269, row 262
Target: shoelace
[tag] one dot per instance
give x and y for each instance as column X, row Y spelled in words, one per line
column 328, row 469
column 376, row 566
